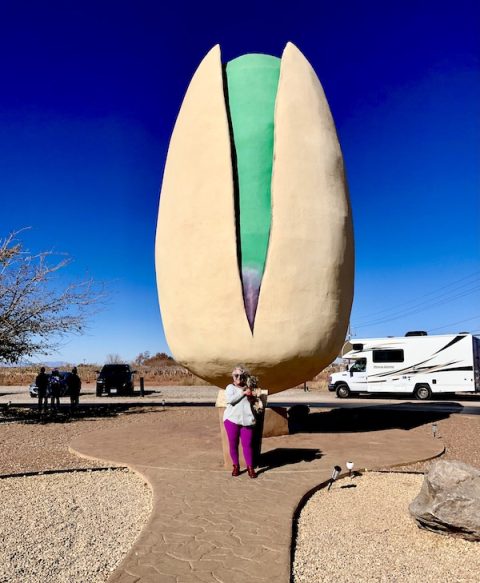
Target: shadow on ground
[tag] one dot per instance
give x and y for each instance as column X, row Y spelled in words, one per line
column 12, row 414
column 442, row 397
column 6, row 393
column 366, row 419
column 282, row 456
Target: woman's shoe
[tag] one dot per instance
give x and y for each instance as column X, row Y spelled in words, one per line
column 251, row 472
column 236, row 470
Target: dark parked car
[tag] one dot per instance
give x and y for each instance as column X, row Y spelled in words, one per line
column 64, row 392
column 115, row 379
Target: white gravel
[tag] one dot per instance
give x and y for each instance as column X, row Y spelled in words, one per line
column 366, row 534
column 74, row 527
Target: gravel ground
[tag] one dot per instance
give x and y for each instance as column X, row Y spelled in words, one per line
column 366, row 534
column 373, row 508
column 459, row 434
column 39, row 446
column 69, row 527
column 72, row 527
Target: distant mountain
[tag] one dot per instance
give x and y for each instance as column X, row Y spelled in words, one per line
column 46, row 363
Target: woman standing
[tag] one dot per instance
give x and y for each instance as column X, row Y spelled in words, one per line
column 239, row 420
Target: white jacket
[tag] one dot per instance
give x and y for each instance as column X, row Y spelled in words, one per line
column 238, row 408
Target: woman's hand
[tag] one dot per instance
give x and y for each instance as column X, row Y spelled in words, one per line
column 248, row 392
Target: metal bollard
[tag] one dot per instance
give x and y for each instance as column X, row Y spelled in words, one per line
column 142, row 387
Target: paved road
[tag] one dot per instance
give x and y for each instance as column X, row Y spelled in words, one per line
column 460, row 403
column 205, row 395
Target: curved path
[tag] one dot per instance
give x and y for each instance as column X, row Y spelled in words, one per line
column 209, row 527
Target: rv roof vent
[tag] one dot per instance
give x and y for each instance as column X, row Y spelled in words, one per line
column 416, row 333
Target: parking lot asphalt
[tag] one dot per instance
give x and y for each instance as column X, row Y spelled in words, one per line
column 207, row 395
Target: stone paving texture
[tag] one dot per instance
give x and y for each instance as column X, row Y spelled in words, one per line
column 207, row 526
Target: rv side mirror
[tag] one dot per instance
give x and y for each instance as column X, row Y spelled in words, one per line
column 351, row 373
column 346, row 367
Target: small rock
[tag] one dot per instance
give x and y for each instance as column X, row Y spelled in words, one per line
column 449, row 501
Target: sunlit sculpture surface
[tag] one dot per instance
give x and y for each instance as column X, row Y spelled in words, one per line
column 254, row 249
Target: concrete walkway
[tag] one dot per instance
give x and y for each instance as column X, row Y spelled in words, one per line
column 207, row 526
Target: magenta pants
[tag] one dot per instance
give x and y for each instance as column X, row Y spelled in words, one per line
column 235, row 433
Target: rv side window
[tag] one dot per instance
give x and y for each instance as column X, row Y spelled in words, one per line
column 388, row 356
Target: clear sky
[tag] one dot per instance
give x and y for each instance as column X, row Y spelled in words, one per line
column 89, row 95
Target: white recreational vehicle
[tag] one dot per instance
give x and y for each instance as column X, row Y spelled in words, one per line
column 418, row 364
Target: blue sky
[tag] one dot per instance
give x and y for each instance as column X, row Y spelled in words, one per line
column 90, row 93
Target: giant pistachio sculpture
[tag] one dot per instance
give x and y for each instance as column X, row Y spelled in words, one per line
column 254, row 249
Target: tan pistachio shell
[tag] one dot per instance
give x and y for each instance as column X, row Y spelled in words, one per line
column 307, row 287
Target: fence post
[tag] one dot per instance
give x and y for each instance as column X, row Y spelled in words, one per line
column 142, row 387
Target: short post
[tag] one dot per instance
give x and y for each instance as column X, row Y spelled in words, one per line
column 142, row 387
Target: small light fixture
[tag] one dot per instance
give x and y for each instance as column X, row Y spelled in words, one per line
column 434, row 429
column 335, row 472
column 350, row 468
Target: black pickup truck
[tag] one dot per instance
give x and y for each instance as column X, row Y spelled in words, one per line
column 115, row 379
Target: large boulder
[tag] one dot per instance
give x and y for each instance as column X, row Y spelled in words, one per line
column 449, row 501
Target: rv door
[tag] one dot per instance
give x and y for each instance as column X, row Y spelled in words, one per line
column 358, row 375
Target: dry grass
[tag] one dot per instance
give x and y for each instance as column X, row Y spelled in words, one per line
column 158, row 372
column 320, row 381
column 154, row 376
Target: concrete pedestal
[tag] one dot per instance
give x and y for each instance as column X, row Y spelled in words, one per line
column 275, row 422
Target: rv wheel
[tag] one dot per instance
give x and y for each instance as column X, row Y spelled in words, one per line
column 343, row 392
column 422, row 392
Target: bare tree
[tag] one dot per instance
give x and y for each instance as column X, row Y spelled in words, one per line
column 34, row 312
column 113, row 359
column 142, row 357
